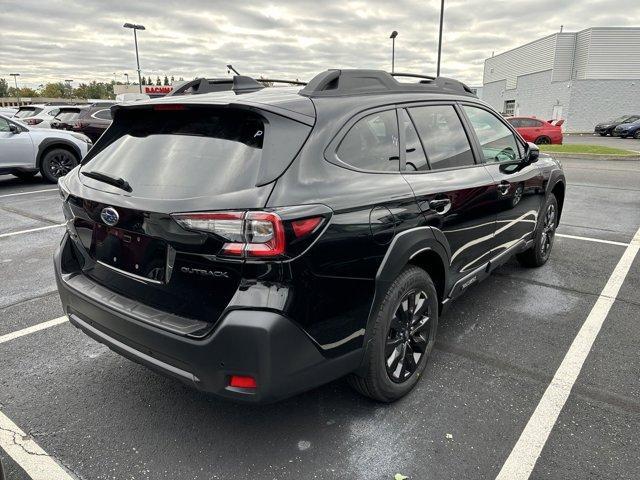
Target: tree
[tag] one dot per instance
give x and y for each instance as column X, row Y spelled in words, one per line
column 166, row 80
column 54, row 90
column 144, row 81
column 158, row 81
column 149, row 81
column 95, row 90
column 181, row 79
column 21, row 92
column 172, row 79
column 4, row 88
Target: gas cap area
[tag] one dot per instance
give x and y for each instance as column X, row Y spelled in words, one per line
column 382, row 224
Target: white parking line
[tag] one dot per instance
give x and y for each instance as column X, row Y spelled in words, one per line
column 11, row 234
column 28, row 193
column 591, row 239
column 28, row 454
column 525, row 453
column 32, row 329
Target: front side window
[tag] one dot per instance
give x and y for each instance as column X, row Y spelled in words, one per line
column 4, row 125
column 443, row 136
column 372, row 143
column 498, row 143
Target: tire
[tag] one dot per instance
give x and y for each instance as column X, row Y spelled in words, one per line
column 392, row 340
column 57, row 163
column 637, row 135
column 538, row 254
column 543, row 141
column 603, row 134
column 24, row 175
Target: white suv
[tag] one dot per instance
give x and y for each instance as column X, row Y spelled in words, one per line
column 25, row 151
column 37, row 115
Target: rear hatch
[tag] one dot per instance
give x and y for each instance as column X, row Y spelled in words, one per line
column 156, row 162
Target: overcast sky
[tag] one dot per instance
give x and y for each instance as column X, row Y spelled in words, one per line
column 53, row 40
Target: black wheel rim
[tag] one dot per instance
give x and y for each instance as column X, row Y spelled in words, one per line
column 60, row 164
column 548, row 229
column 408, row 337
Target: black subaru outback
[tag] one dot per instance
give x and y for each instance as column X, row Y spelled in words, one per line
column 260, row 242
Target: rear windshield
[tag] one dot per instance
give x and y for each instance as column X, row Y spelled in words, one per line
column 26, row 112
column 189, row 153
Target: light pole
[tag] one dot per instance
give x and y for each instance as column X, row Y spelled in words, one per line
column 440, row 37
column 68, row 82
column 136, row 27
column 15, row 79
column 393, row 36
column 127, row 75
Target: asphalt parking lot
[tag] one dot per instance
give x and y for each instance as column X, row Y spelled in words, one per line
column 100, row 416
column 614, row 142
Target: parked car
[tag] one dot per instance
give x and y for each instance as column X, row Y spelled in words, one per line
column 8, row 111
column 625, row 130
column 38, row 115
column 66, row 117
column 93, row 121
column 538, row 131
column 25, row 151
column 606, row 128
column 259, row 245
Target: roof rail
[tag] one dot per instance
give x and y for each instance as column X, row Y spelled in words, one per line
column 332, row 83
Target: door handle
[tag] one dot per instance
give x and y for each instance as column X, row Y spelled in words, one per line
column 504, row 187
column 440, row 205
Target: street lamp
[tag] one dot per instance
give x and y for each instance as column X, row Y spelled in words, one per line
column 15, row 79
column 440, row 37
column 127, row 75
column 136, row 27
column 393, row 36
column 68, row 82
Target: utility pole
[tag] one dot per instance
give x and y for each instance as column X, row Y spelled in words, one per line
column 135, row 28
column 440, row 37
column 393, row 36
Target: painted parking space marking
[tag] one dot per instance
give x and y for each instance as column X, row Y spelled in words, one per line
column 526, row 452
column 591, row 239
column 28, row 193
column 28, row 454
column 48, row 227
column 35, row 328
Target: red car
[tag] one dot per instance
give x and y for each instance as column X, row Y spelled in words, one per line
column 538, row 131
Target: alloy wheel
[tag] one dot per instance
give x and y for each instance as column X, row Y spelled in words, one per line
column 408, row 337
column 548, row 229
column 60, row 164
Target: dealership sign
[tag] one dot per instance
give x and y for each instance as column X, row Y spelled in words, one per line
column 157, row 90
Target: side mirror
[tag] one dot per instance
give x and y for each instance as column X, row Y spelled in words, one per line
column 14, row 128
column 533, row 153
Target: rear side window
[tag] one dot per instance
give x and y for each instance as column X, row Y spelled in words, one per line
column 67, row 115
column 498, row 143
column 530, row 123
column 372, row 143
column 196, row 152
column 416, row 160
column 443, row 136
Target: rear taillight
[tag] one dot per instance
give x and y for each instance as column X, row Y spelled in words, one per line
column 33, row 121
column 251, row 234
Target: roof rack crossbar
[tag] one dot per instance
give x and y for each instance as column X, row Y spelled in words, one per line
column 332, row 83
column 274, row 80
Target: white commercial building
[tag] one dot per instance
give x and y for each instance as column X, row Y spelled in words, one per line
column 583, row 77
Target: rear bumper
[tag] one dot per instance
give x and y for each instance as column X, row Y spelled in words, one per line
column 262, row 344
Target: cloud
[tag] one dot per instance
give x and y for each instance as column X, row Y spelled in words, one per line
column 84, row 39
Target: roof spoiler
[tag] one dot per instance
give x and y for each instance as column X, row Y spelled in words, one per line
column 333, row 83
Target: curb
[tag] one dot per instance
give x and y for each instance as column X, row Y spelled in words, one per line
column 592, row 156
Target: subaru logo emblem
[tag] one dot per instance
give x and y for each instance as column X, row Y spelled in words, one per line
column 110, row 216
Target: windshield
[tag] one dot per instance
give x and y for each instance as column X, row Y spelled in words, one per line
column 26, row 112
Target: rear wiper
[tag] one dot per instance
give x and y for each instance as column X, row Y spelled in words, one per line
column 116, row 182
